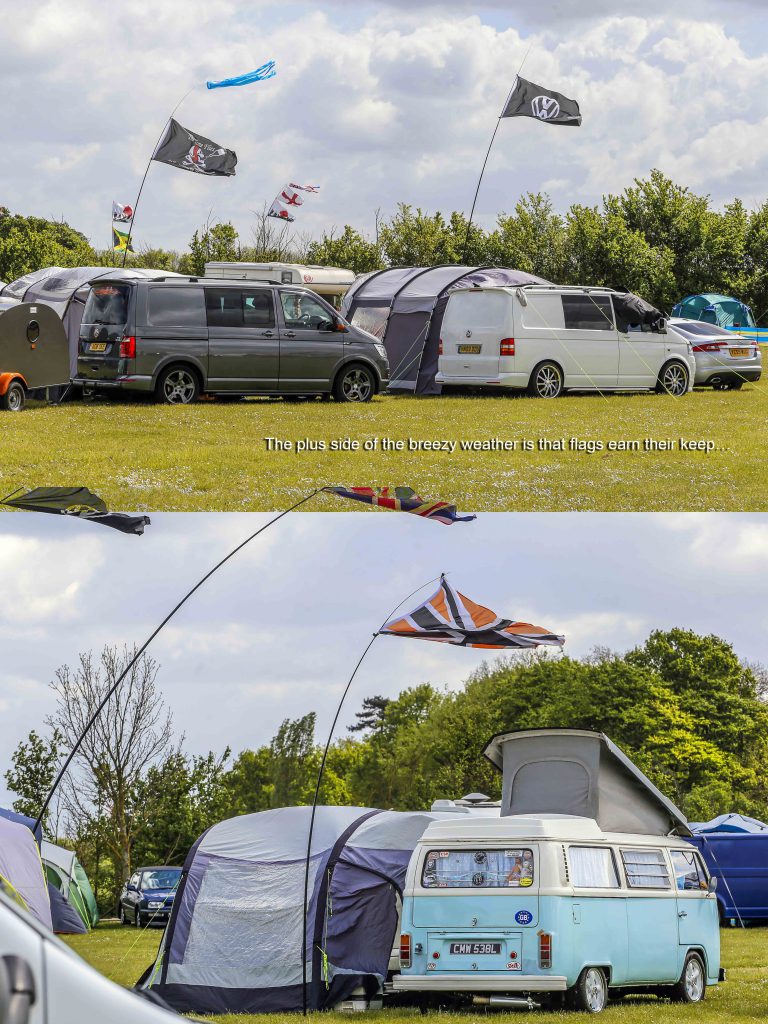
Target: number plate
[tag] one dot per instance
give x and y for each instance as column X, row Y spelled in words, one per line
column 475, row 948
column 740, row 353
column 470, row 350
column 97, row 346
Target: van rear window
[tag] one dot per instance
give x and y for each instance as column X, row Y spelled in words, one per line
column 477, row 869
column 107, row 304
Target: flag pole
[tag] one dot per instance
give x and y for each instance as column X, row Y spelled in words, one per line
column 320, row 778
column 149, row 640
column 487, row 154
column 146, row 171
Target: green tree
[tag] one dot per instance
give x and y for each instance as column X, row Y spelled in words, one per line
column 211, row 243
column 532, row 239
column 29, row 243
column 349, row 250
column 34, row 767
column 291, row 759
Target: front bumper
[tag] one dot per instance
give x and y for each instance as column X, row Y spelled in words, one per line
column 479, row 983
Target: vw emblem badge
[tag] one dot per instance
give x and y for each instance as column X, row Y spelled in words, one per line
column 544, row 107
column 468, row 334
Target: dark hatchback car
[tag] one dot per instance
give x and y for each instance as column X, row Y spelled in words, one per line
column 180, row 337
column 147, row 896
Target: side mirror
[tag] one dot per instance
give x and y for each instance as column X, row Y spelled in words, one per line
column 17, row 990
column 339, row 326
column 130, row 888
column 712, row 884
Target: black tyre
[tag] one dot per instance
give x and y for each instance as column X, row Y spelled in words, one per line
column 737, row 385
column 177, row 385
column 121, row 915
column 590, row 993
column 692, row 986
column 673, row 379
column 355, row 383
column 546, row 381
column 14, row 398
column 137, row 920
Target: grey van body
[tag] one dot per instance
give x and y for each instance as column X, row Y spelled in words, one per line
column 232, row 337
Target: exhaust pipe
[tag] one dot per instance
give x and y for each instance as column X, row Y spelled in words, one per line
column 506, row 1002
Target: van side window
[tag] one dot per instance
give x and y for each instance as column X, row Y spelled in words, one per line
column 592, row 867
column 230, row 307
column 176, row 307
column 588, row 312
column 302, row 312
column 477, row 869
column 646, row 869
column 258, row 308
column 689, row 871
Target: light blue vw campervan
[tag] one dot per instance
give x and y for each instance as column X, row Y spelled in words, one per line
column 554, row 905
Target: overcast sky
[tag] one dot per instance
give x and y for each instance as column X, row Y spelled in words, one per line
column 375, row 102
column 277, row 632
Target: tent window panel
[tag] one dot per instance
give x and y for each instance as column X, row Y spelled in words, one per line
column 372, row 319
column 592, row 867
column 249, row 917
column 646, row 869
column 53, row 876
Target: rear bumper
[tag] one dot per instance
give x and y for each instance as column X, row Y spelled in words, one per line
column 133, row 383
column 716, row 375
column 479, row 983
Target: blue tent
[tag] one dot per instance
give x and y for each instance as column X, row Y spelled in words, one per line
column 729, row 823
column 722, row 310
column 736, row 851
column 234, row 940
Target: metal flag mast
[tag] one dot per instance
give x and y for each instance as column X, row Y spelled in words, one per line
column 487, row 154
column 148, row 641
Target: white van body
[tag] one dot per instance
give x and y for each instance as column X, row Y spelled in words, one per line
column 330, row 282
column 501, row 337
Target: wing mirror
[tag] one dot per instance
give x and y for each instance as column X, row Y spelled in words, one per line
column 339, row 326
column 17, row 990
column 712, row 884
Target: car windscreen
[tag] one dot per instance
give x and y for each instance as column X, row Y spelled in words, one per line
column 106, row 306
column 478, row 869
column 160, row 878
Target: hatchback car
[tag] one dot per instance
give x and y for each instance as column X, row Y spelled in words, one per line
column 147, row 896
column 180, row 337
column 724, row 359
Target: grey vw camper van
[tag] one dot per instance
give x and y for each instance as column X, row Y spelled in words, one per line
column 179, row 337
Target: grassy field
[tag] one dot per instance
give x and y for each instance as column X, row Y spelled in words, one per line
column 214, row 456
column 123, row 953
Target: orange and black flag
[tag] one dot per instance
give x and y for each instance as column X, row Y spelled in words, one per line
column 450, row 618
column 402, row 499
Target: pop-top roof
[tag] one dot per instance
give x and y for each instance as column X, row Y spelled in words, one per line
column 573, row 771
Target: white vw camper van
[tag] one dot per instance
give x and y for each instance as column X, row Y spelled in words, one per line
column 549, row 339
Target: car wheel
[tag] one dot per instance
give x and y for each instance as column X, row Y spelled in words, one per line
column 354, row 384
column 137, row 919
column 178, row 385
column 546, row 381
column 590, row 993
column 121, row 915
column 14, row 398
column 673, row 380
column 692, row 986
column 737, row 385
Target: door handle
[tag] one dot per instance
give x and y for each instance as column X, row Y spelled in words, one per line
column 268, row 334
column 682, row 913
column 290, row 334
column 17, row 985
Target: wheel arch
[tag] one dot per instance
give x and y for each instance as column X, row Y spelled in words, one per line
column 6, row 379
column 185, row 362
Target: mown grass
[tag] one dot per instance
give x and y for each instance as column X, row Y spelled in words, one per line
column 123, row 953
column 213, row 456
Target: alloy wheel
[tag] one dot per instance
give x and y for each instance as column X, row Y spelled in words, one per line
column 179, row 387
column 693, row 980
column 356, row 386
column 548, row 382
column 675, row 380
column 594, row 989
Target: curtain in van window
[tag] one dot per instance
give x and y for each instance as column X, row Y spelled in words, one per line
column 592, row 868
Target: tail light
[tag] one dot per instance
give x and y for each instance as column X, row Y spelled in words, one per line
column 711, row 346
column 127, row 348
column 507, row 347
column 405, row 950
column 545, row 950
column 440, row 347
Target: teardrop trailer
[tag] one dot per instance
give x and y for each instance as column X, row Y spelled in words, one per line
column 583, row 889
column 34, row 353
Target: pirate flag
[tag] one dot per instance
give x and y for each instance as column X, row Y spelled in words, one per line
column 450, row 618
column 181, row 148
column 530, row 100
column 402, row 499
column 79, row 502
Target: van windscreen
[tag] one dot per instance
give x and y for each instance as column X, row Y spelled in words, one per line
column 477, row 869
column 107, row 305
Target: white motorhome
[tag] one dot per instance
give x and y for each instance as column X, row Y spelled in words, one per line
column 549, row 339
column 330, row 282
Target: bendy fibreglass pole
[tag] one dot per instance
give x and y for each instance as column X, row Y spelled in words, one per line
column 149, row 640
column 146, row 172
column 320, row 779
column 487, row 154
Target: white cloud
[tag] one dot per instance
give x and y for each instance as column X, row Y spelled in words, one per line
column 45, row 580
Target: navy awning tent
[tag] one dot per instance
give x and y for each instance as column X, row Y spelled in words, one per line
column 22, row 819
column 404, row 307
column 66, row 920
column 234, row 940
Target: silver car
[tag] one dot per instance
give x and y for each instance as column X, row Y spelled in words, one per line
column 724, row 359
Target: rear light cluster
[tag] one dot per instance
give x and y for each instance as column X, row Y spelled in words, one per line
column 507, row 347
column 710, row 346
column 440, row 347
column 127, row 348
column 545, row 950
column 405, row 950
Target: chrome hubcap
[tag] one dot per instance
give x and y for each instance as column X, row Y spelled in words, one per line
column 694, row 980
column 179, row 388
column 674, row 380
column 548, row 382
column 594, row 988
column 14, row 400
column 356, row 386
